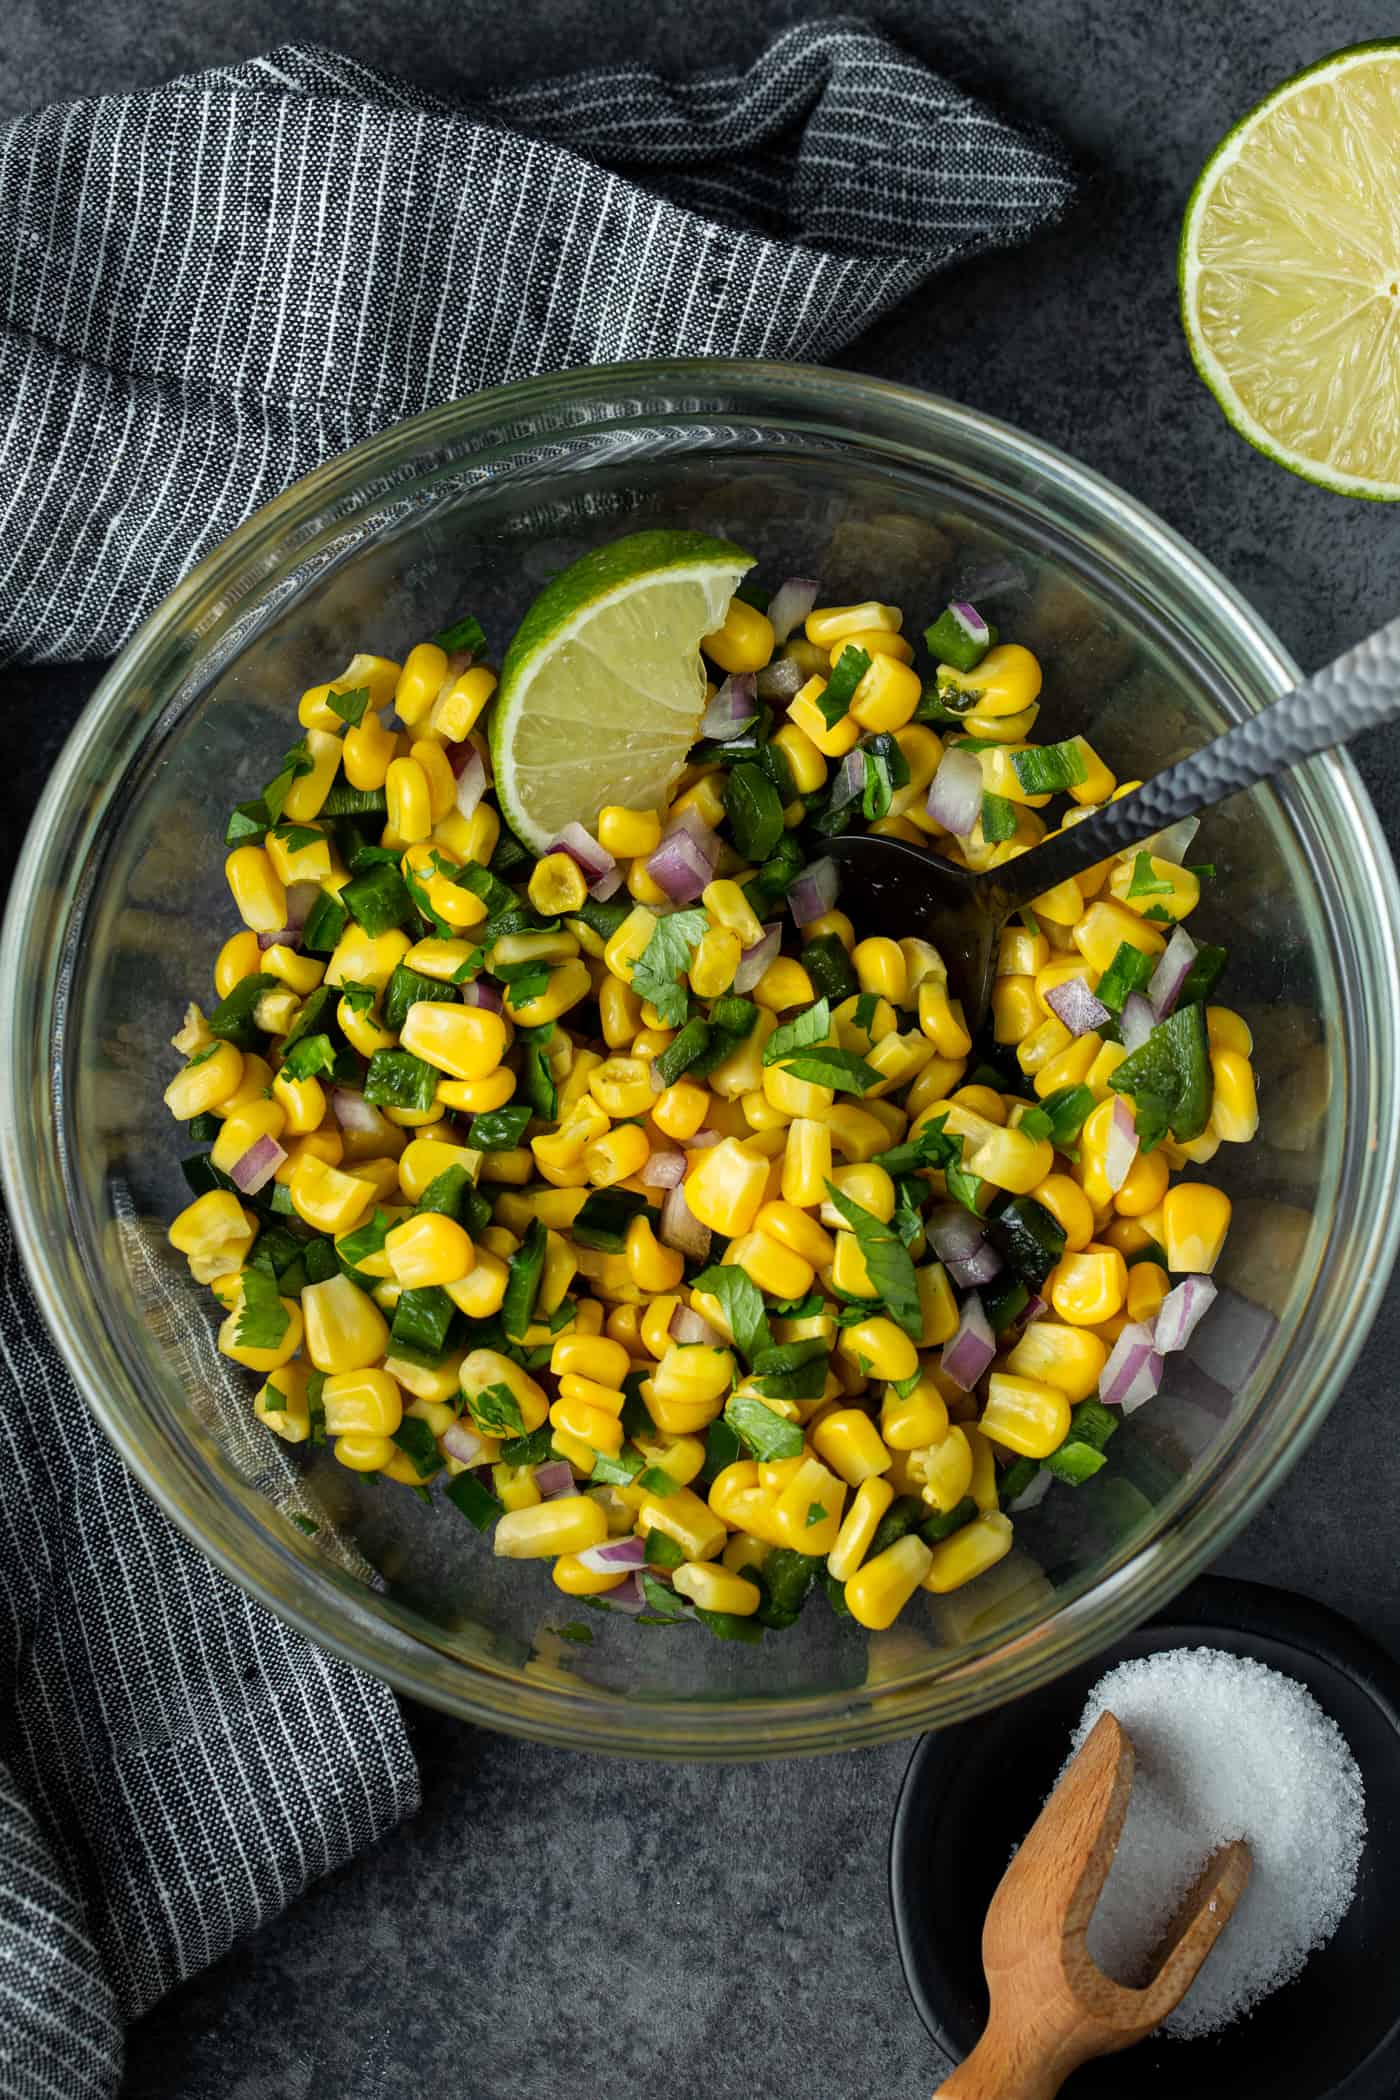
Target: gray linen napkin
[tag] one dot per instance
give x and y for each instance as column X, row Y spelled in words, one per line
column 205, row 290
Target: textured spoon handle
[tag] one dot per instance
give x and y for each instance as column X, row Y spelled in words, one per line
column 1357, row 692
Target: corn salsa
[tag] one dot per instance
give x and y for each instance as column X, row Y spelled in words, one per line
column 625, row 1198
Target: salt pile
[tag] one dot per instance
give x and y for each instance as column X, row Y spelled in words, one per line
column 1226, row 1748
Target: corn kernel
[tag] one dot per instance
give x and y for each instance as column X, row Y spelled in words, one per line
column 428, row 1249
column 717, row 1589
column 1195, row 1220
column 1069, row 1358
column 457, row 711
column 744, row 642
column 968, row 1553
column 879, row 1590
column 567, row 1524
column 344, row 1330
column 918, row 1419
column 1088, row 1288
column 1026, row 1415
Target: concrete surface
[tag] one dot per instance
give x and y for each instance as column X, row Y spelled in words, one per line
column 554, row 1925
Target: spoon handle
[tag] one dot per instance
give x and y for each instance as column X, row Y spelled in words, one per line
column 1357, row 692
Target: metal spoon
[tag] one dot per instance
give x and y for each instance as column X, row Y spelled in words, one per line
column 890, row 882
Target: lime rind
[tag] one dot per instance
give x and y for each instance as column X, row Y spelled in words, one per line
column 1211, row 370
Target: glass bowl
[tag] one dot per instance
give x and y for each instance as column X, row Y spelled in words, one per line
column 119, row 905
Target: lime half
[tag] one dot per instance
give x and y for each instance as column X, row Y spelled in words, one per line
column 602, row 688
column 1290, row 273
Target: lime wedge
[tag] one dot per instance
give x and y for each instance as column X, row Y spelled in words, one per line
column 602, row 688
column 1290, row 273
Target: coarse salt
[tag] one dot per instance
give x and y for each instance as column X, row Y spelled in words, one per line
column 1226, row 1748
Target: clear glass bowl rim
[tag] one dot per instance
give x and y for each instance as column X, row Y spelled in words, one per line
column 286, row 1574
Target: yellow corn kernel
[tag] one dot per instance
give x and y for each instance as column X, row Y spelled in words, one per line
column 831, row 740
column 714, row 962
column 865, row 1184
column 368, row 752
column 302, row 1102
column 1088, row 1288
column 890, row 1354
column 830, row 924
column 466, row 1042
column 628, row 834
column 729, row 907
column 363, row 1402
column 364, row 959
column 592, row 1426
column 684, row 1519
column 481, row 1291
column 1195, row 1220
column 717, row 1589
column 300, row 973
column 345, row 1331
column 1181, row 895
column 858, row 1527
column 457, row 711
column 1234, row 1113
column 1043, row 1043
column 621, row 1086
column 308, row 863
column 566, row 987
column 206, row 1081
column 968, row 1553
column 567, row 1524
column 428, row 1249
column 744, row 642
column 1107, row 1059
column 694, row 1374
column 784, row 983
column 742, row 1071
column 1145, row 1185
column 1010, row 1160
column 375, row 674
column 651, row 1266
column 617, row 1155
column 1005, row 682
column 728, row 1187
column 934, row 1084
column 680, row 1110
column 849, row 1274
column 242, row 1129
column 654, row 1326
column 571, row 1576
column 887, row 695
column 382, row 1176
column 941, row 1019
column 805, row 762
column 317, row 1144
column 881, row 968
column 806, row 1163
column 560, row 1268
column 241, row 957
column 484, row 1368
column 1130, row 1236
column 642, row 885
column 1069, row 1358
column 772, row 1265
column 428, row 754
column 281, row 1404
column 944, row 1469
column 261, row 1359
column 1106, row 925
column 326, row 1197
column 1225, row 1030
column 1148, row 1284
column 736, row 1494
column 1025, row 1415
column 917, row 1420
column 557, row 885
column 789, row 1097
column 426, row 1158
column 418, row 683
column 791, row 1227
column 851, row 1444
column 829, row 625
column 811, row 1488
column 257, row 889
column 214, row 1233
column 879, row 1590
column 364, row 1453
column 1014, row 1009
column 1021, row 953
column 409, row 804
column 306, row 794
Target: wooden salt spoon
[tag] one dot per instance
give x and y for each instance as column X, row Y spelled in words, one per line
column 1052, row 2006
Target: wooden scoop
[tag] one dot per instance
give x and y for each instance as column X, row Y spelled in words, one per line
column 1052, row 2006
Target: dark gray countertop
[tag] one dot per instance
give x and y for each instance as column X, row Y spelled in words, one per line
column 471, row 1954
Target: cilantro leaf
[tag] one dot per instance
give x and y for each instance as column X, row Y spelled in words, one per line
column 496, row 1412
column 313, row 1054
column 813, row 1026
column 1146, row 882
column 664, row 961
column 358, row 997
column 414, row 1437
column 888, row 1262
column 523, row 980
column 846, row 674
column 764, row 1433
column 741, row 1301
column 263, row 1319
column 844, row 1070
column 349, row 706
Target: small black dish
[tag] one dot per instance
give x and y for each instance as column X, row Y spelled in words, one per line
column 972, row 1792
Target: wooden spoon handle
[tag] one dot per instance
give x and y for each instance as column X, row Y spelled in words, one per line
column 1006, row 2065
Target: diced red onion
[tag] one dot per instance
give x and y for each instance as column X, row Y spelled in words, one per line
column 582, row 847
column 663, row 1170
column 1076, row 1006
column 1171, row 973
column 1034, row 1309
column 471, row 782
column 970, row 621
column 972, row 1348
column 680, row 866
column 488, row 996
column 353, row 1112
column 461, row 1442
column 300, row 898
column 754, row 961
column 1122, row 1147
column 1136, row 1021
column 954, row 1234
column 688, row 1327
column 1036, row 1491
column 955, row 792
column 702, row 1140
column 554, row 1477
column 257, row 1165
column 732, row 709
column 628, row 1596
column 607, row 885
column 1133, row 1371
column 457, row 756
column 1180, row 1311
column 1173, row 844
column 814, row 891
column 850, row 779
column 614, row 1555
column 285, row 937
column 976, row 1269
column 680, row 1228
column 790, row 604
column 783, row 679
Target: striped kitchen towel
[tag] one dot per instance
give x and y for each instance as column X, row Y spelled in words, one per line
column 208, row 289
column 205, row 290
